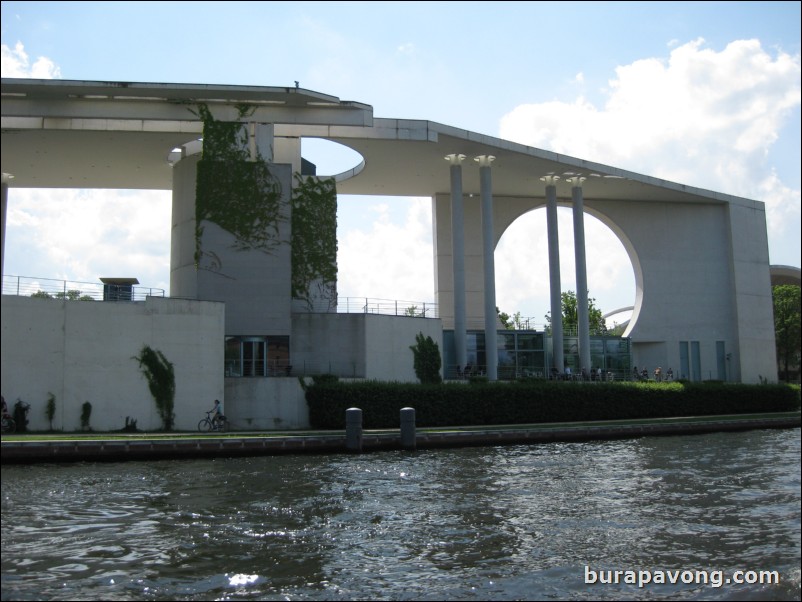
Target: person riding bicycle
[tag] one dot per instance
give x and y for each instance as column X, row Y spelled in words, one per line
column 217, row 414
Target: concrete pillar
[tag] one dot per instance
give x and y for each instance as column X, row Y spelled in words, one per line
column 489, row 247
column 6, row 178
column 353, row 429
column 458, row 261
column 558, row 360
column 582, row 309
column 408, row 438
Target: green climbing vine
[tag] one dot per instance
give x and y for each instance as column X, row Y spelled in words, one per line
column 243, row 197
column 161, row 382
column 233, row 191
column 314, row 239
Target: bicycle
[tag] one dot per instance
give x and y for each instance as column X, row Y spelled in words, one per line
column 9, row 426
column 218, row 423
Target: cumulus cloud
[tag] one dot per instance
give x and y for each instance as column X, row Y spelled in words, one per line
column 16, row 63
column 387, row 257
column 83, row 235
column 699, row 117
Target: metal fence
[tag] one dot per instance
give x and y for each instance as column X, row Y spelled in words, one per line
column 387, row 307
column 72, row 290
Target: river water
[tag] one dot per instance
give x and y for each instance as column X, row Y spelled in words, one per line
column 521, row 522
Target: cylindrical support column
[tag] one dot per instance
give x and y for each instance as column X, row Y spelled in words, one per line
column 458, row 261
column 582, row 310
column 353, row 429
column 6, row 178
column 489, row 247
column 558, row 360
column 408, row 437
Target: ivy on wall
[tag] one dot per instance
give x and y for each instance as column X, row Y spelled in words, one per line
column 160, row 374
column 234, row 192
column 243, row 197
column 314, row 240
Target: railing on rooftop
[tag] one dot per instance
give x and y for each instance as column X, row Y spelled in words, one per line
column 387, row 307
column 72, row 290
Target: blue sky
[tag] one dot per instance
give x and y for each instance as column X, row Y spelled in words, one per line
column 702, row 93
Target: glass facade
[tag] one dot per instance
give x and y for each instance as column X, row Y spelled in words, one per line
column 525, row 354
column 256, row 356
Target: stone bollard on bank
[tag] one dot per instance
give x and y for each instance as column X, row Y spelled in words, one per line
column 408, row 438
column 353, row 430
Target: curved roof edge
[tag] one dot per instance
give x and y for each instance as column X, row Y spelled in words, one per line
column 785, row 274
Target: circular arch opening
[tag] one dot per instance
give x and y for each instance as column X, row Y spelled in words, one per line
column 522, row 267
column 330, row 158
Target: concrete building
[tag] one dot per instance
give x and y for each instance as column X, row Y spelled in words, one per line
column 700, row 258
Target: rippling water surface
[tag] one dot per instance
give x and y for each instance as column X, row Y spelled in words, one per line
column 492, row 523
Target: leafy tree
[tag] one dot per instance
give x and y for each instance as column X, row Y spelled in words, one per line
column 161, row 381
column 86, row 414
column 570, row 314
column 787, row 329
column 50, row 409
column 426, row 360
column 505, row 319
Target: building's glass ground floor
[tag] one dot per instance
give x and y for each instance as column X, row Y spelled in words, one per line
column 528, row 353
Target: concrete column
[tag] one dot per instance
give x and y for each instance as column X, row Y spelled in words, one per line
column 458, row 261
column 582, row 310
column 6, row 178
column 488, row 246
column 558, row 360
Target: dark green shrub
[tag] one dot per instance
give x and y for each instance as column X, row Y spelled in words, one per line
column 538, row 402
column 86, row 413
column 426, row 360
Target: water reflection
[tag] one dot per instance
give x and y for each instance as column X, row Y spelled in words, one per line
column 517, row 522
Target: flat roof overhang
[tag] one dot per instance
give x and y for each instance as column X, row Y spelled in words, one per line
column 73, row 134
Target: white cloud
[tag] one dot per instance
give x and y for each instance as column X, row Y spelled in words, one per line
column 16, row 63
column 388, row 258
column 704, row 118
column 83, row 235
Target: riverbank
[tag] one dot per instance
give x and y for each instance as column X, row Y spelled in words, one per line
column 115, row 447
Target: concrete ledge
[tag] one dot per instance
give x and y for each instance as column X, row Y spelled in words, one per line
column 164, row 447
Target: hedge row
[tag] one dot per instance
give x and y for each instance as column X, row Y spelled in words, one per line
column 537, row 402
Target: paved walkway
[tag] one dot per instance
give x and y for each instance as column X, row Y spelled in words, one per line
column 155, row 446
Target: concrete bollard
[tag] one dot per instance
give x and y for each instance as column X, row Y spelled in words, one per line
column 353, row 429
column 408, row 438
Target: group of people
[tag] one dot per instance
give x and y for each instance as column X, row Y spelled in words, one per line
column 658, row 374
column 596, row 374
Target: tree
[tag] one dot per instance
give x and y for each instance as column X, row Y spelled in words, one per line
column 787, row 328
column 50, row 409
column 505, row 319
column 426, row 360
column 570, row 314
column 161, row 382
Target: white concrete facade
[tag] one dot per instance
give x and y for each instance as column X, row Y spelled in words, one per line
column 700, row 258
column 84, row 351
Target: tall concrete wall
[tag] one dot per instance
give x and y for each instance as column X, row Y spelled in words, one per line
column 84, row 351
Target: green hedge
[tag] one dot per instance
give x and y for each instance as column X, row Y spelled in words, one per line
column 537, row 401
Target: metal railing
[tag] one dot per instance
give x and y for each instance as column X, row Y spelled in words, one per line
column 72, row 290
column 387, row 307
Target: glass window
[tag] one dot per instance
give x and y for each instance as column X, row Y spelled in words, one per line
column 278, row 356
column 257, row 356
